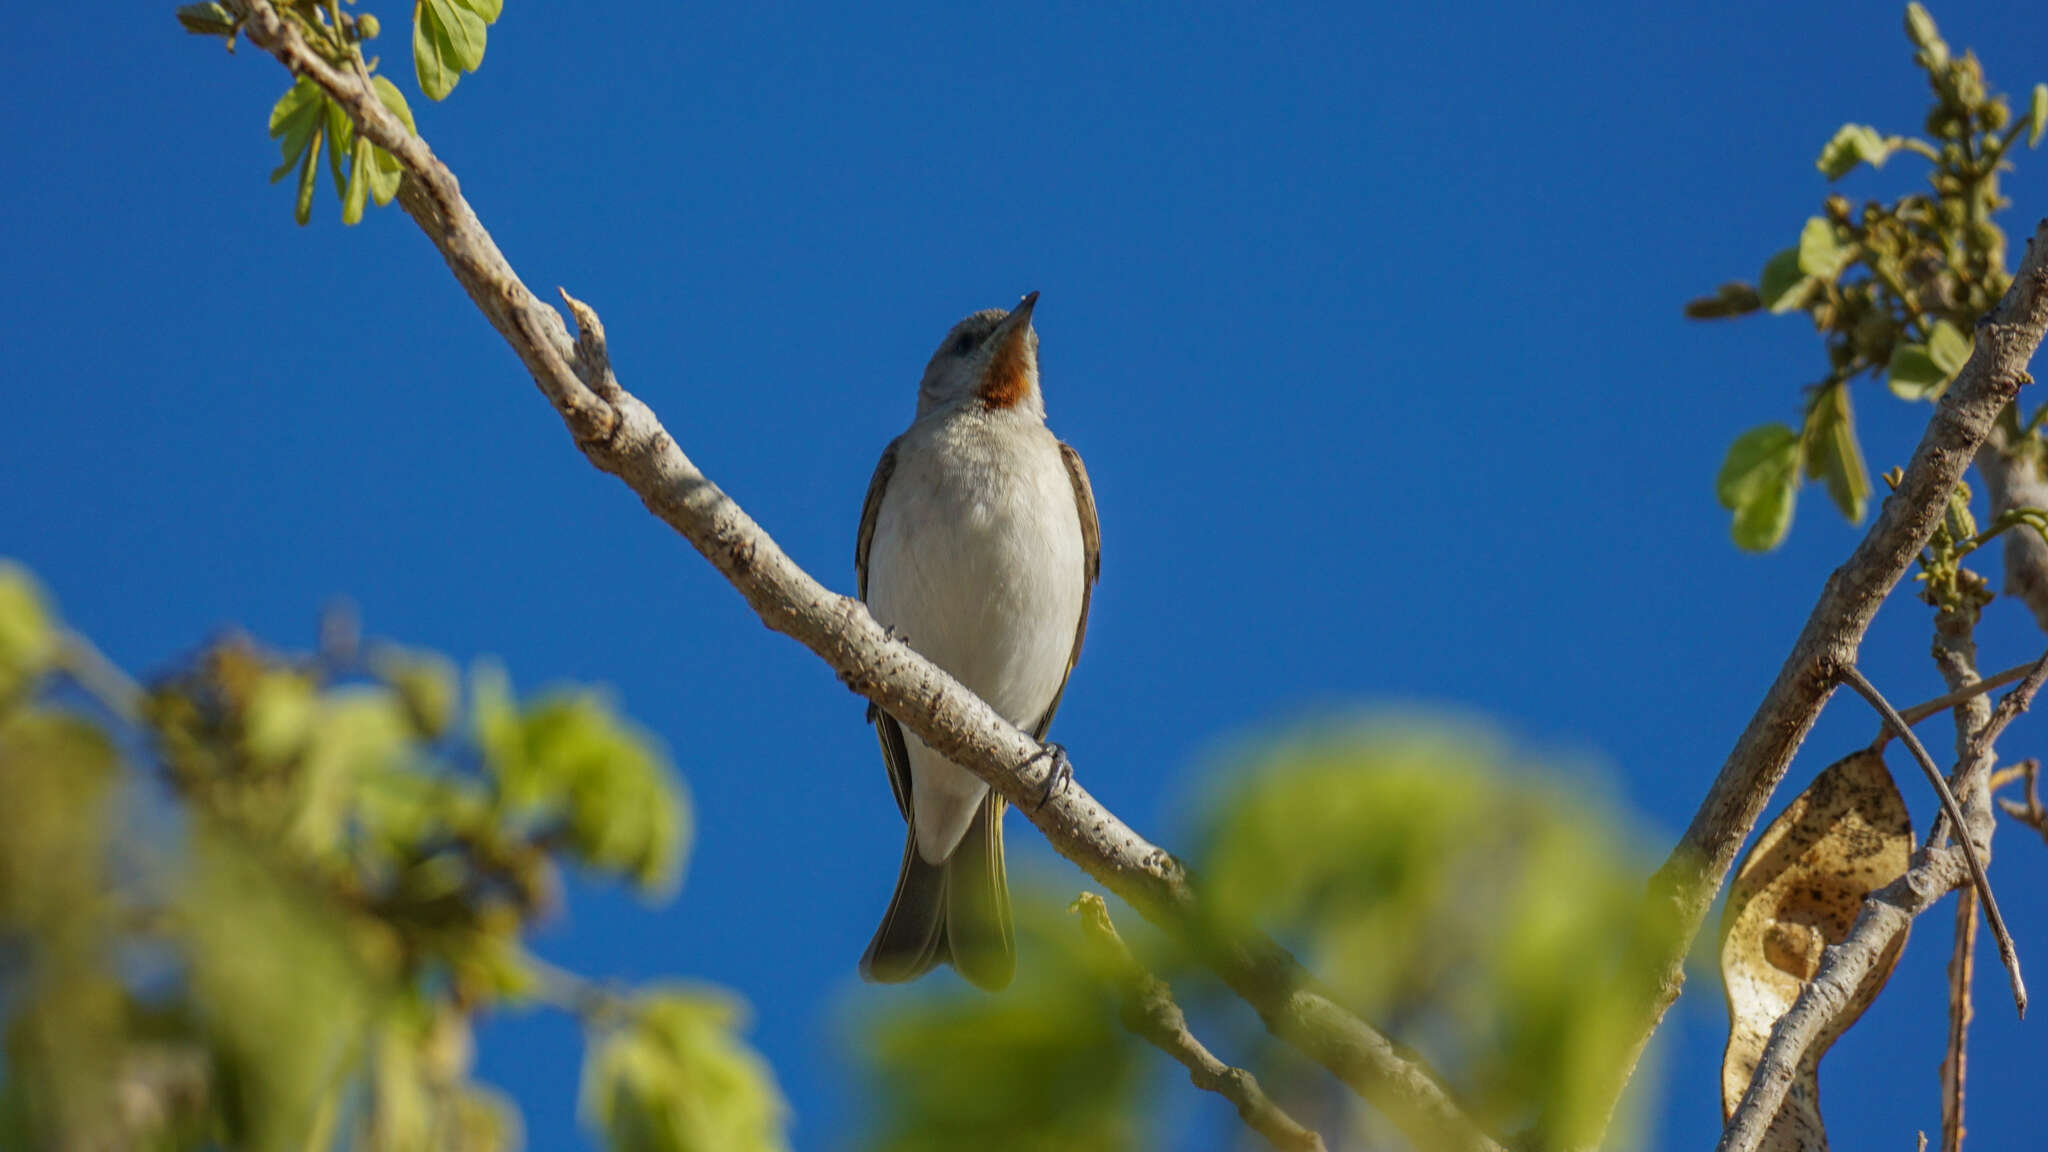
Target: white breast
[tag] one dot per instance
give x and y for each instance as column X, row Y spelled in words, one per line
column 977, row 562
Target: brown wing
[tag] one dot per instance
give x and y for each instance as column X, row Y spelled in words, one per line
column 871, row 511
column 895, row 757
column 1091, row 570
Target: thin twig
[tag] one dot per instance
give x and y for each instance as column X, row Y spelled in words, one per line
column 101, row 678
column 2031, row 812
column 1854, row 678
column 1151, row 1014
column 1955, row 1064
column 2010, row 706
column 619, row 434
column 1943, row 703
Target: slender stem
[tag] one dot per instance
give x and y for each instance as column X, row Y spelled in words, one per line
column 1151, row 1014
column 1854, row 678
column 1954, row 1065
column 101, row 678
column 1943, row 703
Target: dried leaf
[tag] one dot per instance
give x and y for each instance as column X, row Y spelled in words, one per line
column 1797, row 892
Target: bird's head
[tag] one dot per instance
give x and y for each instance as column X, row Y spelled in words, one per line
column 990, row 357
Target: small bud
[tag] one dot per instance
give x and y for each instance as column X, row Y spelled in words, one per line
column 366, row 27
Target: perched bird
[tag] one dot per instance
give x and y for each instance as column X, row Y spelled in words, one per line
column 979, row 548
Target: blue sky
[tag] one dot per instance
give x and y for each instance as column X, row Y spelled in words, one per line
column 1367, row 324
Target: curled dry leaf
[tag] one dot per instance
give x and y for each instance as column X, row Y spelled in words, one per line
column 1797, row 892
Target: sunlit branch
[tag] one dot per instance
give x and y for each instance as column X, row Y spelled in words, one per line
column 620, row 435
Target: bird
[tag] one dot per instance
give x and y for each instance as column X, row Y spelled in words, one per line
column 978, row 547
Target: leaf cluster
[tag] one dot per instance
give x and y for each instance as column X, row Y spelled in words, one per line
column 448, row 38
column 331, row 863
column 1893, row 287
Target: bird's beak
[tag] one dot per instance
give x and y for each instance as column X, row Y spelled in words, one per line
column 1010, row 333
column 1009, row 372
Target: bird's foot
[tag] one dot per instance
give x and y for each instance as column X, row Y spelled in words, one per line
column 1061, row 775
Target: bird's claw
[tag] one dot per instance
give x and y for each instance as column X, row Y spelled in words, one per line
column 1061, row 774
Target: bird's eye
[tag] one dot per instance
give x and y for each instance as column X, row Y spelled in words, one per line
column 963, row 344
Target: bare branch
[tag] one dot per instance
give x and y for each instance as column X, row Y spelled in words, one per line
column 2030, row 812
column 1888, row 912
column 1944, row 702
column 1684, row 888
column 101, row 678
column 2013, row 479
column 620, row 435
column 1955, row 1063
column 2009, row 708
column 1854, row 678
column 1150, row 1013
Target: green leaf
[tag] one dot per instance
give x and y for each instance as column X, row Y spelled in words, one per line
column 308, row 179
column 432, row 55
column 1948, row 348
column 206, row 20
column 293, row 121
column 385, row 170
column 1851, row 145
column 1912, row 374
column 1832, row 454
column 1759, row 482
column 28, row 635
column 487, row 10
column 447, row 40
column 2037, row 115
column 1820, row 256
column 676, row 1077
column 465, row 31
column 340, row 143
column 570, row 757
column 358, row 184
column 1783, row 287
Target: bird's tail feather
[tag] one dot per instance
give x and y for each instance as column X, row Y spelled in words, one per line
column 957, row 912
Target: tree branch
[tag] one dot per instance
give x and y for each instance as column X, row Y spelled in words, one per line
column 1854, row 677
column 2031, row 812
column 1889, row 911
column 1955, row 1063
column 620, row 435
column 2012, row 477
column 1947, row 700
column 1150, row 1013
column 1684, row 887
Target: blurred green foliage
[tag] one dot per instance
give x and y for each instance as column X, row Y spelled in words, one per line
column 1487, row 918
column 259, row 904
column 1894, row 288
column 1043, row 1067
column 1476, row 909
